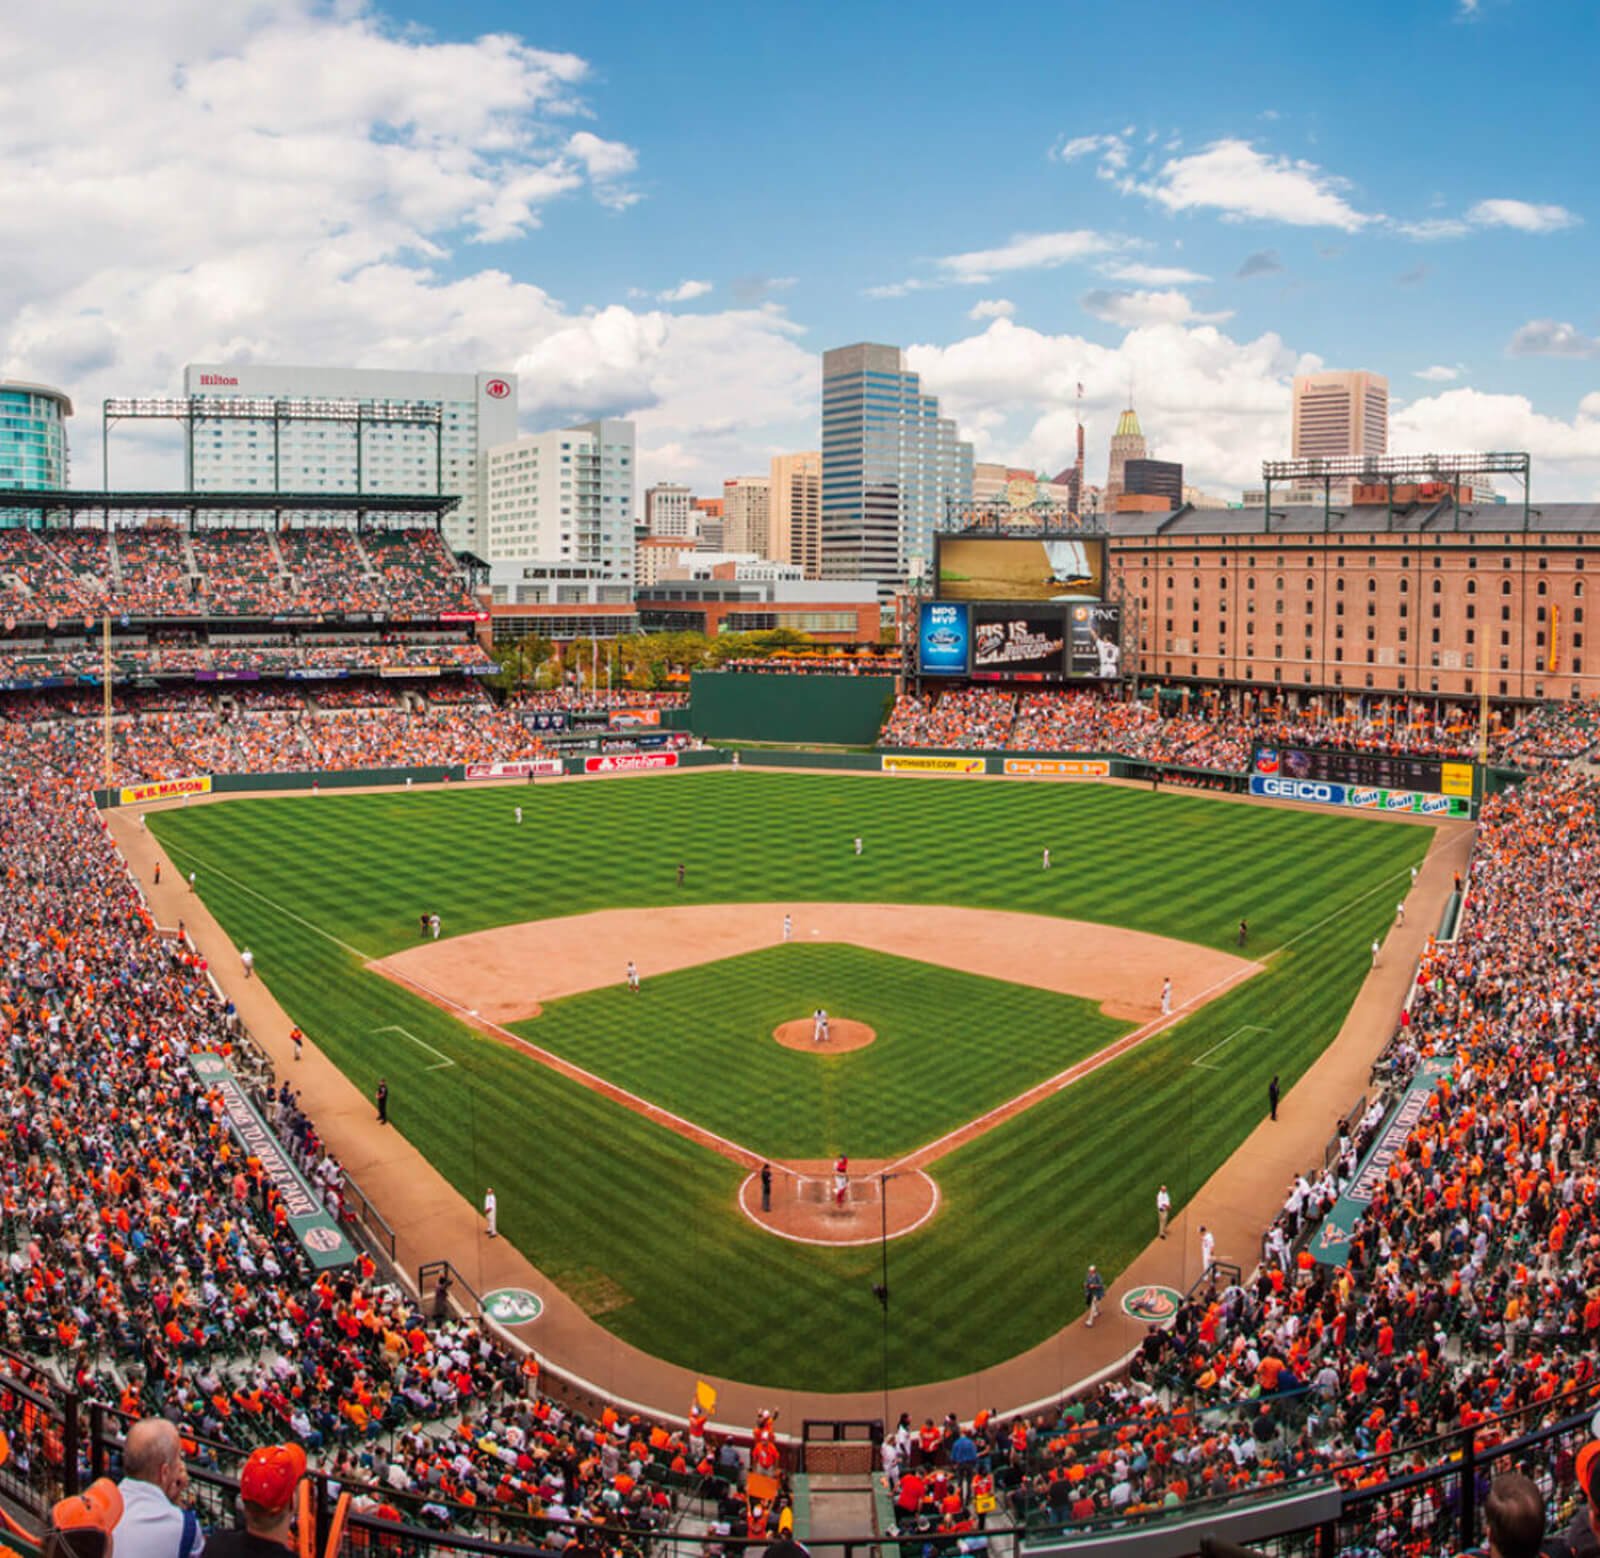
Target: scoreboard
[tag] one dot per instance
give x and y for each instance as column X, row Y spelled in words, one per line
column 1375, row 770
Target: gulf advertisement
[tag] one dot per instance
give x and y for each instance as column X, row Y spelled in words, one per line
column 1360, row 797
column 944, row 639
column 916, row 763
column 629, row 762
column 533, row 768
column 1057, row 768
column 166, row 789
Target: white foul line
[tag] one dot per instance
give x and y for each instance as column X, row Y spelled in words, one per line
column 394, row 1027
column 1249, row 1027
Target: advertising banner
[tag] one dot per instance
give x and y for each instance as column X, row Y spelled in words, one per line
column 319, row 1235
column 623, row 762
column 535, row 768
column 1020, row 568
column 1331, row 1244
column 644, row 741
column 545, row 720
column 1278, row 787
column 907, row 764
column 1456, row 778
column 944, row 639
column 1377, row 770
column 1020, row 642
column 1094, row 640
column 1058, row 767
column 625, row 719
column 409, row 670
column 166, row 789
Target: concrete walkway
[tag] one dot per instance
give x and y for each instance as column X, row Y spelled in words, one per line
column 434, row 1221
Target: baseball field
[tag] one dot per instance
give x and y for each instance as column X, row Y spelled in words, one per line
column 1019, row 1062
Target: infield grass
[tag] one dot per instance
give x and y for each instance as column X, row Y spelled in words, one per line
column 699, row 1042
column 641, row 1226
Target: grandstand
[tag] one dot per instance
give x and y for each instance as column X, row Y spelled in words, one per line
column 1366, row 1399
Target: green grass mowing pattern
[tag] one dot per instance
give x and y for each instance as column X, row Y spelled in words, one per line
column 699, row 1043
column 640, row 1223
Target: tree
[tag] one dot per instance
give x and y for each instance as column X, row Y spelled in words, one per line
column 520, row 662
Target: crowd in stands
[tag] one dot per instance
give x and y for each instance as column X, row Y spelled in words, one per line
column 22, row 661
column 1470, row 1291
column 989, row 719
column 151, row 1259
column 160, row 570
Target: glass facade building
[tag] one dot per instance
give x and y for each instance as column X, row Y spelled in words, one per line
column 892, row 467
column 33, row 437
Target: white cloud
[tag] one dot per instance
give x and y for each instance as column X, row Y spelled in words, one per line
column 1431, row 228
column 685, row 292
column 992, row 308
column 1522, row 215
column 1552, row 338
column 1438, row 374
column 294, row 181
column 1028, row 251
column 1144, row 308
column 1142, row 275
column 1219, row 405
column 1566, row 454
column 1244, row 184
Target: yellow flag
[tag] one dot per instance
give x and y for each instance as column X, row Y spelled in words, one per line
column 705, row 1396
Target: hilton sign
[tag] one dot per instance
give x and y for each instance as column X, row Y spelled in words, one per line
column 218, row 378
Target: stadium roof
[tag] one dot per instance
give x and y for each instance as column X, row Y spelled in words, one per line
column 72, row 505
column 1423, row 519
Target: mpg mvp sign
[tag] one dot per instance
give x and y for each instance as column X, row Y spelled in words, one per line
column 944, row 639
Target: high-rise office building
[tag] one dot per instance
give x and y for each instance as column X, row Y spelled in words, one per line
column 316, row 442
column 892, row 467
column 1339, row 414
column 668, row 512
column 746, row 511
column 795, row 516
column 1127, row 443
column 1154, row 479
column 33, row 437
column 565, row 497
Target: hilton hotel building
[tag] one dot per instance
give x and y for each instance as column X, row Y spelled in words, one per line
column 477, row 410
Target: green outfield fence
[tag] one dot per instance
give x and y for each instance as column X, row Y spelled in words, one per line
column 808, row 710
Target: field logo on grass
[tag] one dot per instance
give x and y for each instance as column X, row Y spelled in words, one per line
column 1151, row 1303
column 513, row 1306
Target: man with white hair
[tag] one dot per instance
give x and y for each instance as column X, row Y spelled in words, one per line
column 153, row 1523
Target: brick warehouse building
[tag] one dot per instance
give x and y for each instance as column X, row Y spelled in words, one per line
column 1364, row 602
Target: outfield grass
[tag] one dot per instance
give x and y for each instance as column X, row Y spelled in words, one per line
column 698, row 1042
column 638, row 1224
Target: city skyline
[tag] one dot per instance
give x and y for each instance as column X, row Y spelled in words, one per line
column 478, row 188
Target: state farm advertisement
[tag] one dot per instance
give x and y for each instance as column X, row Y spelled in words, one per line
column 628, row 762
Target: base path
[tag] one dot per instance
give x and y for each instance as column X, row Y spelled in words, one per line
column 433, row 1220
column 503, row 974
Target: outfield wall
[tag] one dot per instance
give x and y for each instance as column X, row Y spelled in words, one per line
column 808, row 710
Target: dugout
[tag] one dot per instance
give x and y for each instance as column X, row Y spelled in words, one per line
column 806, row 710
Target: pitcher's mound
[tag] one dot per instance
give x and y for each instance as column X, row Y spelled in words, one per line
column 842, row 1035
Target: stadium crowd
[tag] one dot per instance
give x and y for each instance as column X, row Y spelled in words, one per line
column 160, row 570
column 153, row 1262
column 989, row 719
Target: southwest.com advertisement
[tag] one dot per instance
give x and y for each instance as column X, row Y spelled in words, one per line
column 944, row 639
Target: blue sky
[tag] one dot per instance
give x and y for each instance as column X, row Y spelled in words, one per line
column 668, row 211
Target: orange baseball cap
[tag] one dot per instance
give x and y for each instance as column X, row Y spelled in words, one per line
column 1587, row 1467
column 97, row 1508
column 271, row 1475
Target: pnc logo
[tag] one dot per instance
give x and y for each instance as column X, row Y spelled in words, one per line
column 497, row 389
